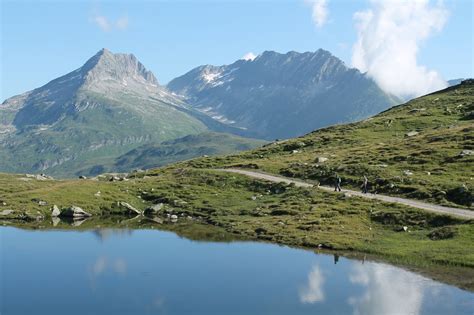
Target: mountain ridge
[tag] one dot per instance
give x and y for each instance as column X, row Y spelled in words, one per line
column 282, row 95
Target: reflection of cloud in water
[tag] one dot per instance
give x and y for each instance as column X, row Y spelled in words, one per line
column 390, row 290
column 120, row 266
column 314, row 290
column 101, row 265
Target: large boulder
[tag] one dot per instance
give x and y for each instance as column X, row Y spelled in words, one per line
column 74, row 212
column 6, row 212
column 154, row 209
column 55, row 212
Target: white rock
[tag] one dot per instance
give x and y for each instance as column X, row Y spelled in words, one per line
column 322, row 159
column 6, row 212
column 74, row 212
column 412, row 133
column 55, row 212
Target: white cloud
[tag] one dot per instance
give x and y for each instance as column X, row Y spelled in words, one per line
column 320, row 11
column 122, row 23
column 389, row 39
column 107, row 25
column 249, row 56
column 102, row 22
column 314, row 290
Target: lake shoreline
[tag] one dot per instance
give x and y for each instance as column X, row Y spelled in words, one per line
column 457, row 275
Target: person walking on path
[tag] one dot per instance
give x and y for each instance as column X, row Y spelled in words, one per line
column 337, row 183
column 365, row 185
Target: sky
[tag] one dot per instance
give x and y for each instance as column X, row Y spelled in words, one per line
column 410, row 47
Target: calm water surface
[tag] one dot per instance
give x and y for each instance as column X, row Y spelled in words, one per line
column 154, row 272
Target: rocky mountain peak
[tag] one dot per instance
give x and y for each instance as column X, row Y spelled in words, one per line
column 106, row 66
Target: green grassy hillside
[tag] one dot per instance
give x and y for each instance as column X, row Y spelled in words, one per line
column 208, row 143
column 421, row 150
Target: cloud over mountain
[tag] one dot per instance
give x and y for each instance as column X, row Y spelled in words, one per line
column 390, row 34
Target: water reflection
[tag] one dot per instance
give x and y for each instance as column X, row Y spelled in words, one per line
column 387, row 290
column 113, row 271
column 104, row 234
column 102, row 263
column 313, row 292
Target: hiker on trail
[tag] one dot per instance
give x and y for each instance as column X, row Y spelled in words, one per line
column 337, row 183
column 365, row 184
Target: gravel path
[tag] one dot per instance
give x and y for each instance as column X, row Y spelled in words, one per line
column 412, row 203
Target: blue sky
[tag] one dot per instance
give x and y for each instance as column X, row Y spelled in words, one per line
column 41, row 40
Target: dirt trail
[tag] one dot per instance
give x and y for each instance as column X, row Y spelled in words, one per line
column 409, row 202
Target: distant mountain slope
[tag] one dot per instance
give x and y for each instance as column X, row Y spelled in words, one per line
column 283, row 95
column 455, row 81
column 423, row 149
column 209, row 143
column 91, row 116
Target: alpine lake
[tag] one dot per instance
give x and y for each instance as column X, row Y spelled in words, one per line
column 71, row 268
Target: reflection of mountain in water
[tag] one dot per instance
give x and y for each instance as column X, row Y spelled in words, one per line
column 103, row 234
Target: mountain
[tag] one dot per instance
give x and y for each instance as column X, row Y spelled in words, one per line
column 89, row 117
column 208, row 143
column 282, row 95
column 455, row 81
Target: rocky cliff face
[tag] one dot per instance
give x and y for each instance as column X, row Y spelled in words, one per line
column 282, row 95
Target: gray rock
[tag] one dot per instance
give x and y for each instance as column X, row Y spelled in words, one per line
column 128, row 208
column 82, row 177
column 55, row 212
column 322, row 159
column 42, row 203
column 174, row 217
column 466, row 153
column 6, row 212
column 74, row 212
column 415, row 110
column 154, row 209
column 114, row 178
column 412, row 133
